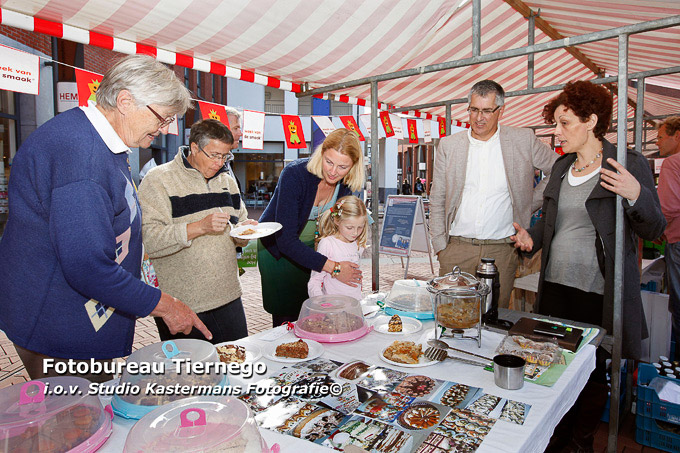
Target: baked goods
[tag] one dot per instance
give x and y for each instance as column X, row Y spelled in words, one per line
column 395, row 324
column 332, row 323
column 295, row 350
column 415, row 386
column 354, row 370
column 248, row 232
column 420, row 416
column 404, row 352
column 231, row 353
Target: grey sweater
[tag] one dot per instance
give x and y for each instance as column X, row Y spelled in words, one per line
column 203, row 272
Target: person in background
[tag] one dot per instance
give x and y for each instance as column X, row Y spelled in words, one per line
column 190, row 206
column 71, row 254
column 234, row 118
column 306, row 188
column 577, row 236
column 482, row 183
column 343, row 232
column 406, row 187
column 418, row 187
column 668, row 140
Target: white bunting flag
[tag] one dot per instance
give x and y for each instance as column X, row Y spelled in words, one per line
column 427, row 130
column 325, row 124
column 253, row 130
column 397, row 126
column 174, row 127
column 19, row 71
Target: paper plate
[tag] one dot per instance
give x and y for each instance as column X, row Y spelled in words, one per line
column 315, row 350
column 252, row 351
column 424, row 361
column 409, row 325
column 260, row 230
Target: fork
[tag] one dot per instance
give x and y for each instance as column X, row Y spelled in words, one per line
column 441, row 354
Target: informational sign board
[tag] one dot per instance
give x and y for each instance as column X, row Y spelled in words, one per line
column 404, row 229
column 19, row 71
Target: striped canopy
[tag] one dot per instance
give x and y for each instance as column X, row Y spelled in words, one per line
column 290, row 43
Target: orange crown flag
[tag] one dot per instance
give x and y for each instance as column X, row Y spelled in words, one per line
column 292, row 128
column 412, row 131
column 386, row 124
column 213, row 112
column 351, row 124
column 442, row 126
column 87, row 84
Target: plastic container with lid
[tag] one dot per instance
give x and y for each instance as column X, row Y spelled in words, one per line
column 202, row 423
column 33, row 417
column 331, row 319
column 164, row 365
column 409, row 298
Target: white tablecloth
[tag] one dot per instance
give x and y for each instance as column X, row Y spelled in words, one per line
column 548, row 404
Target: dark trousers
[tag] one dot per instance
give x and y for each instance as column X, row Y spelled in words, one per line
column 576, row 431
column 227, row 323
column 277, row 320
column 33, row 361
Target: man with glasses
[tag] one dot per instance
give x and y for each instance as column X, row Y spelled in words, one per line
column 483, row 181
column 190, row 205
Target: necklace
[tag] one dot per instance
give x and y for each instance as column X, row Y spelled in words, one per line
column 579, row 170
column 318, row 215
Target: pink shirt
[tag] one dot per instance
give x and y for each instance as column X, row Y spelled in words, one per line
column 321, row 283
column 669, row 196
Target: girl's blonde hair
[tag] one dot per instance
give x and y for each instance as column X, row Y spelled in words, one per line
column 345, row 142
column 344, row 208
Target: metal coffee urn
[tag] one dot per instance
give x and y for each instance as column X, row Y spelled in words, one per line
column 487, row 272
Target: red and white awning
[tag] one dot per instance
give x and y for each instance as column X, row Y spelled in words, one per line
column 288, row 43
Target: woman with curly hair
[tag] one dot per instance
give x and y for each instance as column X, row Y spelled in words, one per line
column 577, row 235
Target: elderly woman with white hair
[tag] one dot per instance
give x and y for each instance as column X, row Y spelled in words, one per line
column 71, row 253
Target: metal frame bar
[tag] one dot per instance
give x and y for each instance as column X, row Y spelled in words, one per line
column 505, row 54
column 375, row 188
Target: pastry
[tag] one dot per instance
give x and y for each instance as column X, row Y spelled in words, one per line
column 415, row 386
column 231, row 353
column 295, row 350
column 248, row 232
column 395, row 324
column 404, row 352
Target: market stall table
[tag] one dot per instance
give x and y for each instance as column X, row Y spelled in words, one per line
column 548, row 404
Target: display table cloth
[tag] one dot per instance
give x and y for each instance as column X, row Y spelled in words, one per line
column 548, row 404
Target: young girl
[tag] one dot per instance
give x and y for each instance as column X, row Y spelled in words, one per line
column 342, row 229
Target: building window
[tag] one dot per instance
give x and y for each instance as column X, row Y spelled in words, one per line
column 261, row 176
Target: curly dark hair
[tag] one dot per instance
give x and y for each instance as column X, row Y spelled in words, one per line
column 583, row 98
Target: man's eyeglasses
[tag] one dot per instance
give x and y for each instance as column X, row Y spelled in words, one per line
column 164, row 121
column 484, row 112
column 218, row 157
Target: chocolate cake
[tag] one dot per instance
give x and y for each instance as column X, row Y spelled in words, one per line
column 354, row 370
column 395, row 324
column 231, row 353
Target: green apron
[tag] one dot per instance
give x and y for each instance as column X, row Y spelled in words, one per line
column 284, row 283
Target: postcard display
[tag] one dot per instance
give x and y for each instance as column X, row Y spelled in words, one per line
column 380, row 409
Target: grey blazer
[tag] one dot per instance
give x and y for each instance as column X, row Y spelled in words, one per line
column 522, row 154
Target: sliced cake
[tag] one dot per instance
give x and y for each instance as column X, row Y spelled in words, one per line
column 295, row 350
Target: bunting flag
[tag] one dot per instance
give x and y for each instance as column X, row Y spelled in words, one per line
column 366, row 121
column 427, row 131
column 387, row 124
column 292, row 129
column 559, row 150
column 173, row 128
column 397, row 126
column 253, row 130
column 213, row 112
column 442, row 127
column 350, row 123
column 412, row 131
column 87, row 84
column 325, row 124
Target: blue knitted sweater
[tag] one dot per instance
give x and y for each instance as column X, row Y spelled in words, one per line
column 71, row 252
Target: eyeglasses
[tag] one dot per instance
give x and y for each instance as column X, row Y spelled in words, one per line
column 164, row 121
column 218, row 157
column 484, row 112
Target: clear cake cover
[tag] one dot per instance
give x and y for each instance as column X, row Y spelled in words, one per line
column 201, row 423
column 33, row 417
column 410, row 296
column 331, row 319
column 153, row 372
